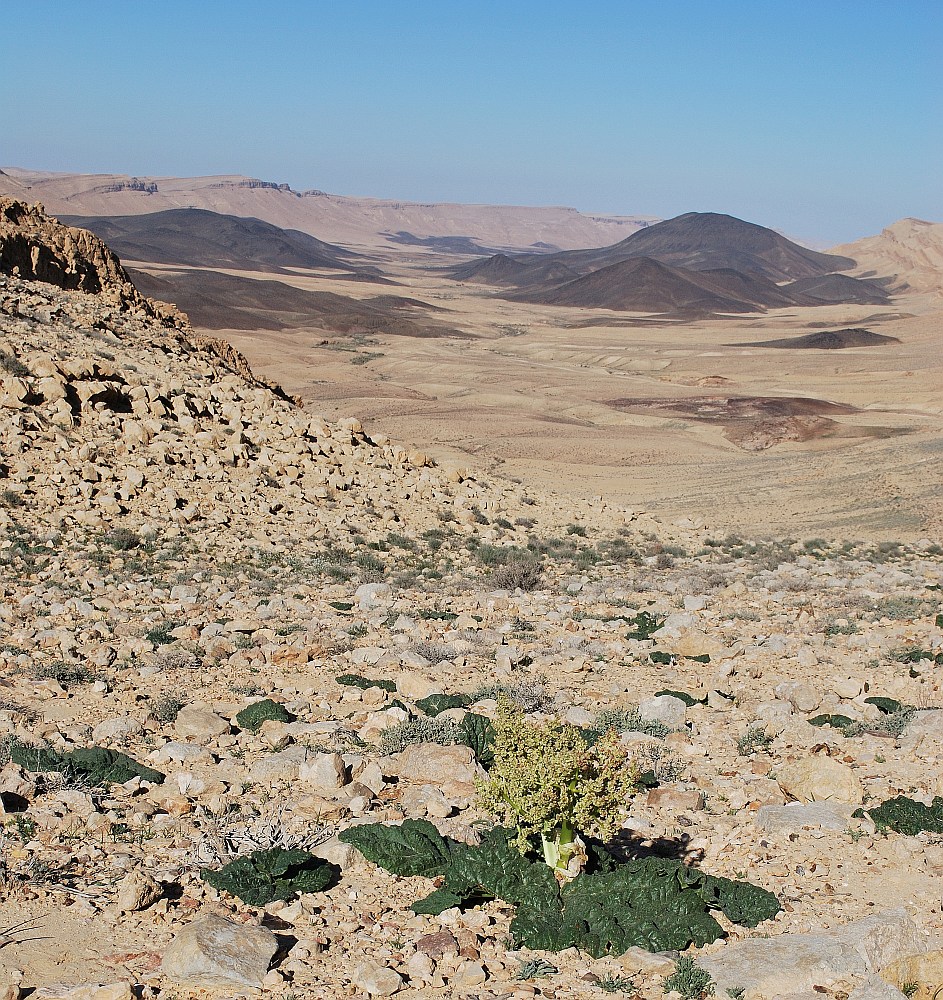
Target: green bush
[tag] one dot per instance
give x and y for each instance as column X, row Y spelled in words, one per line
column 252, row 716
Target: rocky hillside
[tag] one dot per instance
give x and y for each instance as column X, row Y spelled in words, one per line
column 232, row 635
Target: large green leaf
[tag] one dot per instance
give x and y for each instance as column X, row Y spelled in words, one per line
column 433, row 704
column 252, row 716
column 263, row 876
column 415, row 847
column 478, row 733
column 741, row 902
column 907, row 816
column 95, row 765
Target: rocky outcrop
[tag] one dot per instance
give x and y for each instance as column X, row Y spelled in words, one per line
column 38, row 247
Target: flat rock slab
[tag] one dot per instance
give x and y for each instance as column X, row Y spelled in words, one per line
column 797, row 963
column 213, row 952
column 797, row 816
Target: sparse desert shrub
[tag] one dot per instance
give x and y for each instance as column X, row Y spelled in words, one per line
column 425, row 730
column 628, row 720
column 176, row 657
column 520, row 573
column 434, row 652
column 530, row 694
column 755, row 739
column 66, row 674
column 122, row 539
column 162, row 634
column 688, row 980
column 166, row 707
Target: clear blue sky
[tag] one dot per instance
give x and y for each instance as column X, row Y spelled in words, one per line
column 822, row 118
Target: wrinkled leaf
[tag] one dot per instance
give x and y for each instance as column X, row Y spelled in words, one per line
column 644, row 624
column 907, row 816
column 252, row 716
column 415, row 847
column 478, row 733
column 436, row 902
column 96, row 765
column 835, row 721
column 263, row 876
column 741, row 902
column 886, row 706
column 436, row 703
column 688, row 699
column 356, row 680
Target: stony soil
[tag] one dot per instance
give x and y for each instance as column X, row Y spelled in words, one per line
column 179, row 541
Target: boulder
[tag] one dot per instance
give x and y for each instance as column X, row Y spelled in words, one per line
column 666, row 709
column 820, row 779
column 375, row 980
column 215, row 953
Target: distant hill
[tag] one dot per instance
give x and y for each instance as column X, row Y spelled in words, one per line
column 909, row 252
column 199, row 238
column 696, row 241
column 216, row 301
column 827, row 340
column 360, row 222
column 835, row 288
column 644, row 285
column 695, row 264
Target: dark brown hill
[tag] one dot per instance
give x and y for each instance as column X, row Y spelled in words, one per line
column 703, row 241
column 216, row 301
column 827, row 340
column 697, row 241
column 198, row 238
column 503, row 269
column 644, row 285
column 834, row 288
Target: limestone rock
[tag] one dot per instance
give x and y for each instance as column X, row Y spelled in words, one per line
column 375, row 980
column 668, row 710
column 430, row 763
column 325, row 770
column 820, row 779
column 199, row 724
column 137, row 891
column 796, row 816
column 85, row 991
column 215, row 953
column 795, row 963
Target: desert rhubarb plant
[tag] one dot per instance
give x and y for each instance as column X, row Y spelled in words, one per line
column 549, row 785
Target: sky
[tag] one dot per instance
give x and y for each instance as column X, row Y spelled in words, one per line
column 820, row 118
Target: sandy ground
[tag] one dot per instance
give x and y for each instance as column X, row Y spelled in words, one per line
column 543, row 397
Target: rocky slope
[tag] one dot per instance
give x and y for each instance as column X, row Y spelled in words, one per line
column 179, row 542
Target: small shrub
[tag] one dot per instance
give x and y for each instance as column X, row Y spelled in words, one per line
column 688, row 980
column 530, row 694
column 166, row 707
column 122, row 539
column 65, row 674
column 162, row 634
column 404, row 734
column 628, row 720
column 615, row 984
column 755, row 739
column 520, row 573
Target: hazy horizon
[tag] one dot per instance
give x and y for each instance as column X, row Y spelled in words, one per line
column 813, row 120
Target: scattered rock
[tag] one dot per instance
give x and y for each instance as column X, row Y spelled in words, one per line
column 215, row 953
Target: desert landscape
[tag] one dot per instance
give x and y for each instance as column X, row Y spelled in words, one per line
column 708, row 398
column 331, row 542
